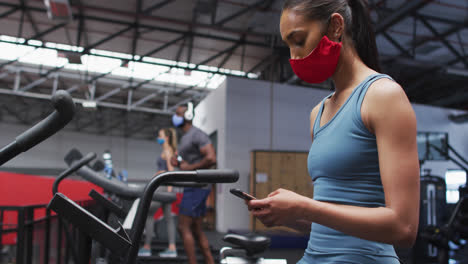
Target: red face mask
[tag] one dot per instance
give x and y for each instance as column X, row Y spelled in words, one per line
column 320, row 64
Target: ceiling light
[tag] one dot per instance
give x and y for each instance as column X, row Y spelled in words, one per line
column 88, row 104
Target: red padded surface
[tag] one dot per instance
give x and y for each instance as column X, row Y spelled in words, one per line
column 22, row 189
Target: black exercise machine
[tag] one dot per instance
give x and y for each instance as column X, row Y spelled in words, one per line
column 117, row 240
column 63, row 114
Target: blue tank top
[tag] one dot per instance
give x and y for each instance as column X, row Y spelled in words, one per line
column 343, row 163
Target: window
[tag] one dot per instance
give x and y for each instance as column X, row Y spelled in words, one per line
column 454, row 179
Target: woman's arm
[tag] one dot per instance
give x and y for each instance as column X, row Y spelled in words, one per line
column 300, row 225
column 393, row 121
column 168, row 155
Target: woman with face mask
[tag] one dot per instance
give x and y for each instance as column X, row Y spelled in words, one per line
column 167, row 139
column 363, row 158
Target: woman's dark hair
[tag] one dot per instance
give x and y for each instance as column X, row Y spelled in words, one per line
column 356, row 17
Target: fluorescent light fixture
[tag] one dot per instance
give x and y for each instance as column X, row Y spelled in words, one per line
column 35, row 42
column 89, row 104
column 201, row 76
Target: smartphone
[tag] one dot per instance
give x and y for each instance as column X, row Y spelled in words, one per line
column 242, row 195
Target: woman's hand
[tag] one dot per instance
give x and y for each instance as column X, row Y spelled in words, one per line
column 281, row 207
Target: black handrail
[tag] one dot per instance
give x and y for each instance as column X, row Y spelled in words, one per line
column 201, row 176
column 76, row 166
column 64, row 111
column 117, row 239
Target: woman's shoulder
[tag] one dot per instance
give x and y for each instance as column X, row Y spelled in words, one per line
column 386, row 98
column 314, row 112
column 385, row 88
column 168, row 152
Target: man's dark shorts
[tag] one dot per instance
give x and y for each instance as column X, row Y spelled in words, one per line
column 194, row 202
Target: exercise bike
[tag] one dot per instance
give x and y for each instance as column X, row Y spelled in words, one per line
column 246, row 249
column 111, row 211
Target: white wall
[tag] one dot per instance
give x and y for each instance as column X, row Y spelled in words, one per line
column 210, row 116
column 138, row 157
column 250, row 124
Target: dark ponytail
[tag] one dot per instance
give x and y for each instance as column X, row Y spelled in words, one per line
column 363, row 34
column 356, row 17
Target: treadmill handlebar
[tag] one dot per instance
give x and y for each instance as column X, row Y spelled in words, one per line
column 76, row 166
column 217, row 176
column 200, row 176
column 64, row 111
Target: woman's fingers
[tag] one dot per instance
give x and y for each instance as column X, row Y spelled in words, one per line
column 258, row 204
column 261, row 212
column 274, row 193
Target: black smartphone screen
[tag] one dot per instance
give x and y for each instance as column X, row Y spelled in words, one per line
column 242, row 195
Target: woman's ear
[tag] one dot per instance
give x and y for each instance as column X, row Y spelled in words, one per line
column 335, row 29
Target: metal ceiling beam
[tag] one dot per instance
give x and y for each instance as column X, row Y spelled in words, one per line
column 164, row 46
column 9, row 12
column 136, row 32
column 397, row 45
column 444, row 41
column 29, row 17
column 401, row 12
column 228, row 50
column 215, row 11
column 144, row 99
column 241, row 12
column 40, row 81
column 261, row 64
column 457, row 27
column 104, row 40
column 108, row 94
column 226, row 58
column 174, row 107
column 440, row 19
column 157, row 19
column 108, row 81
column 161, row 28
column 47, row 31
column 77, row 100
column 156, row 6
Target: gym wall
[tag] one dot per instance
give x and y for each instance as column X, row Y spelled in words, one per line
column 240, row 110
column 138, row 157
column 250, row 122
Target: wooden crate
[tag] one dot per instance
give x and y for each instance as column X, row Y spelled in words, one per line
column 271, row 170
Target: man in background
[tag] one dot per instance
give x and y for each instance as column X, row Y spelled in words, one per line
column 195, row 152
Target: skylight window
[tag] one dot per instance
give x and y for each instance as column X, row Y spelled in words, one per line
column 116, row 64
